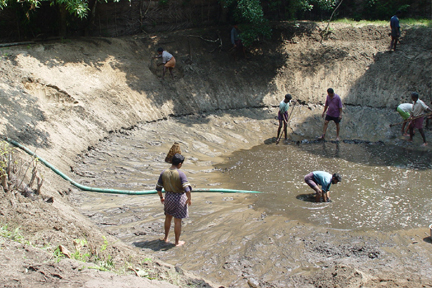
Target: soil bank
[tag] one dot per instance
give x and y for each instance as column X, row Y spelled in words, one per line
column 61, row 98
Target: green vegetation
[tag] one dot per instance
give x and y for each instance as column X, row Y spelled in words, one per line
column 14, row 235
column 416, row 22
column 83, row 253
column 3, row 53
column 251, row 16
column 253, row 23
column 409, row 22
column 6, row 152
column 13, row 173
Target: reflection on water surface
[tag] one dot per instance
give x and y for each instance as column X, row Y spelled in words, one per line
column 382, row 188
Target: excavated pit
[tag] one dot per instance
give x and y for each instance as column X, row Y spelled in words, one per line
column 61, row 98
column 271, row 236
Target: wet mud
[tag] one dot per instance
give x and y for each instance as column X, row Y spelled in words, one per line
column 374, row 230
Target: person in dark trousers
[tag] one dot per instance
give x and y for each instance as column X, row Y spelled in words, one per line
column 324, row 179
column 237, row 43
column 283, row 116
column 395, row 30
column 177, row 197
column 334, row 113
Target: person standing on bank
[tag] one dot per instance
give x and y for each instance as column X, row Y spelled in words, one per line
column 237, row 43
column 395, row 30
column 419, row 107
column 404, row 110
column 334, row 113
column 324, row 179
column 168, row 61
column 177, row 197
column 283, row 116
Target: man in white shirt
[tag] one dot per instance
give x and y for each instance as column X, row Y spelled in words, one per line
column 168, row 61
column 419, row 107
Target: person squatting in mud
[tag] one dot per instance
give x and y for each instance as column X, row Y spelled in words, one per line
column 324, row 179
column 283, row 116
column 177, row 197
column 419, row 107
column 334, row 112
column 168, row 61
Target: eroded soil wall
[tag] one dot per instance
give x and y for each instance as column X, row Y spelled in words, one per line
column 59, row 98
column 62, row 97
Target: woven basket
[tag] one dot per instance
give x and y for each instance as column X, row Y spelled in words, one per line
column 175, row 148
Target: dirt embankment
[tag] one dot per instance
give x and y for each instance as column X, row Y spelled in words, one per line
column 60, row 98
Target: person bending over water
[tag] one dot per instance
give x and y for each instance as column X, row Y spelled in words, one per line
column 404, row 111
column 324, row 179
column 177, row 197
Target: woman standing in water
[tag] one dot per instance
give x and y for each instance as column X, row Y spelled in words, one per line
column 177, row 197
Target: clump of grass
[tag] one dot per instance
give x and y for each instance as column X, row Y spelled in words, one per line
column 13, row 173
column 86, row 254
column 14, row 235
column 403, row 21
column 416, row 22
column 353, row 22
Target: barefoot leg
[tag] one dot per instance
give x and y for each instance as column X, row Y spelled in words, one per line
column 167, row 226
column 177, row 231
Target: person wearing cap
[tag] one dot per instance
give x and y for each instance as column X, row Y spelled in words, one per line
column 334, row 112
column 283, row 116
column 324, row 179
column 177, row 197
column 404, row 111
column 168, row 61
column 419, row 107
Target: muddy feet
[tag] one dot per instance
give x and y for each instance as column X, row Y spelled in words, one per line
column 180, row 243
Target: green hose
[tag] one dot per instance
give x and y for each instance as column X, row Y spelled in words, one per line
column 113, row 191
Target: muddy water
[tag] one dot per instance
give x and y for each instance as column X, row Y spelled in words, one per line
column 383, row 188
column 279, row 234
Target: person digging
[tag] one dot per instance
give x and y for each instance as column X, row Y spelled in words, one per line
column 324, row 179
column 283, row 117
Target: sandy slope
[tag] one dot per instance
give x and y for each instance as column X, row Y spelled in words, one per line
column 60, row 98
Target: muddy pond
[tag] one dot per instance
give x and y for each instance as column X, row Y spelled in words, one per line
column 232, row 237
